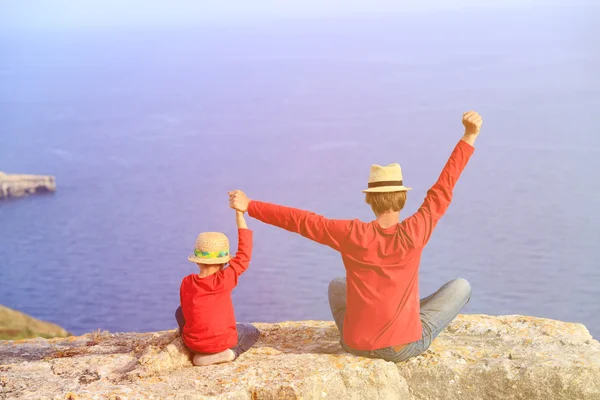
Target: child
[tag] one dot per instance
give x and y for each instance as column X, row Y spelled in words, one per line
column 206, row 318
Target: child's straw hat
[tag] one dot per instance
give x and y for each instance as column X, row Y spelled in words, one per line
column 386, row 179
column 211, row 248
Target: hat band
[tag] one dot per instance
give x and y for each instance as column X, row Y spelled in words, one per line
column 385, row 183
column 211, row 254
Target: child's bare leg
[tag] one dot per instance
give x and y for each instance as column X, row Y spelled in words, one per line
column 217, row 358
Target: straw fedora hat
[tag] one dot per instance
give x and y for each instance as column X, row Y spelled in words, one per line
column 386, row 179
column 211, row 248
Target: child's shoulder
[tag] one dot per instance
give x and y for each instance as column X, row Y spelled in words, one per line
column 187, row 278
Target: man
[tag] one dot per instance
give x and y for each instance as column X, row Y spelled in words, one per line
column 377, row 307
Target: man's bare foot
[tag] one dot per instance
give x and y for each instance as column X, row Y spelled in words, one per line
column 217, row 358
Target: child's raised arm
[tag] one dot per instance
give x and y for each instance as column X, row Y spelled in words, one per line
column 239, row 264
column 240, row 220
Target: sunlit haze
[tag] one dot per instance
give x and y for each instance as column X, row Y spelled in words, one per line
column 75, row 13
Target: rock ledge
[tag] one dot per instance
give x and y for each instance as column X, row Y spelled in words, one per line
column 477, row 357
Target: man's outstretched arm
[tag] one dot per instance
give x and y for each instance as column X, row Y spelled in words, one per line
column 420, row 225
column 330, row 232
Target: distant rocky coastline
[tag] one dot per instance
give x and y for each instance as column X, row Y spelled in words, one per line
column 16, row 325
column 17, row 185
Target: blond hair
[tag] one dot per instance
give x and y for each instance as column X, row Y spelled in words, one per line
column 386, row 201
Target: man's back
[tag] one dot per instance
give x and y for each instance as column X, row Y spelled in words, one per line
column 382, row 287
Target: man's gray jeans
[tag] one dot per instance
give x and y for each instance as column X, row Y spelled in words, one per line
column 437, row 311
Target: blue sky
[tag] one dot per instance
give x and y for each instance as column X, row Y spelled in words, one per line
column 56, row 13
